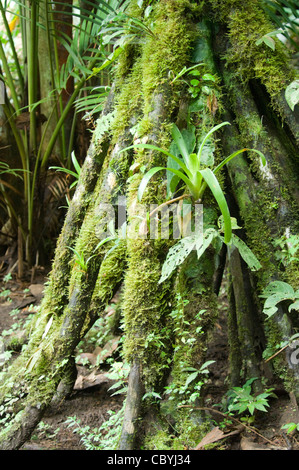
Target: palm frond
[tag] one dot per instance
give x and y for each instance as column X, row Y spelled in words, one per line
column 285, row 15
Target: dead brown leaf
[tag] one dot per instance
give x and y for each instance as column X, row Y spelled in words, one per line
column 100, row 354
column 90, row 380
column 216, row 435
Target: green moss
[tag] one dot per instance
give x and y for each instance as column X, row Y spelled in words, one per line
column 145, row 303
column 129, row 100
column 186, row 434
column 246, row 23
column 170, row 48
column 144, row 306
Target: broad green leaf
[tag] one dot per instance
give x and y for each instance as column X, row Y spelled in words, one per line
column 292, row 94
column 190, row 378
column 209, row 76
column 269, row 42
column 283, row 289
column 294, row 306
column 207, row 154
column 290, row 427
column 206, row 364
column 189, row 137
column 176, row 256
column 251, row 408
column 172, row 180
column 274, row 293
column 193, row 162
column 234, row 223
column 208, row 237
column 246, row 253
column 214, row 186
column 270, row 305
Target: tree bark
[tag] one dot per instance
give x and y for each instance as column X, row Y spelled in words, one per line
column 167, row 326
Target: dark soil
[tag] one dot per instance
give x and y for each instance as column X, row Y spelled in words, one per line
column 92, row 403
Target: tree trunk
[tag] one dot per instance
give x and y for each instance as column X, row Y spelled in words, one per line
column 167, row 326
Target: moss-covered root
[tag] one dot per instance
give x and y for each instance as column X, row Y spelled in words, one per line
column 56, row 291
column 132, row 409
column 52, row 377
column 260, row 221
column 109, row 280
column 66, row 385
column 56, row 335
column 247, row 357
column 145, row 303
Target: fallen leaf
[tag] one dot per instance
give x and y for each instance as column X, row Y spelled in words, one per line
column 101, row 354
column 90, row 380
column 37, row 289
column 216, row 435
column 83, row 356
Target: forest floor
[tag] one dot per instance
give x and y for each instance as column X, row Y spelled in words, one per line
column 92, row 402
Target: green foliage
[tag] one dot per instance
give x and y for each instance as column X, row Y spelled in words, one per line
column 187, row 380
column 276, row 292
column 290, row 427
column 189, row 390
column 80, row 259
column 268, row 40
column 119, row 371
column 86, row 48
column 242, row 400
column 285, row 14
column 181, row 250
column 197, row 80
column 103, row 124
column 103, row 438
column 44, row 430
column 75, row 174
column 289, row 246
column 272, row 351
column 189, row 171
column 292, row 94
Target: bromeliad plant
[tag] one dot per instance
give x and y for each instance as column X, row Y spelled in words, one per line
column 193, row 170
column 198, row 172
